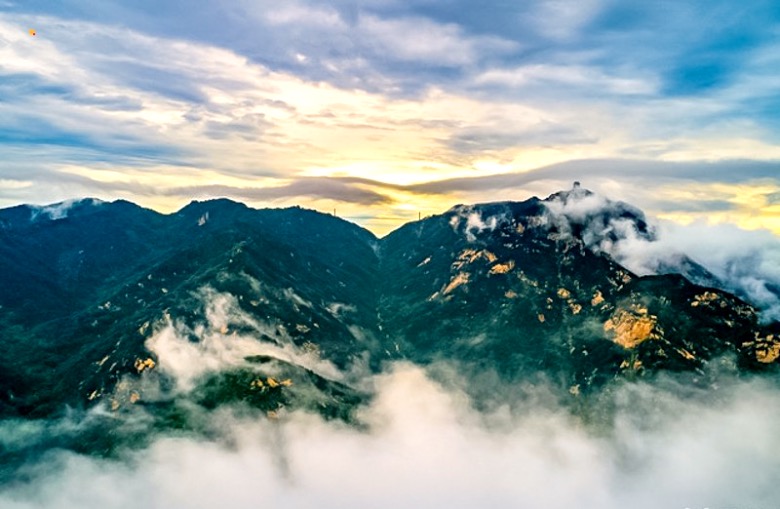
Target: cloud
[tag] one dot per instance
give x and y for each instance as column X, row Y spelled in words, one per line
column 219, row 347
column 484, row 139
column 728, row 171
column 657, row 446
column 373, row 46
column 773, row 198
column 422, row 40
column 61, row 210
column 577, row 78
column 472, row 222
column 743, row 262
column 341, row 190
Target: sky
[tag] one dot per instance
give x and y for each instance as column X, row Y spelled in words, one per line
column 385, row 109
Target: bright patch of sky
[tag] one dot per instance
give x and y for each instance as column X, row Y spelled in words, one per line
column 386, row 108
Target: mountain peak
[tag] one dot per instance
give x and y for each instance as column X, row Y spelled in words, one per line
column 595, row 218
column 202, row 206
column 577, row 192
column 63, row 209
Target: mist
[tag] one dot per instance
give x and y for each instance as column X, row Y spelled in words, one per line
column 747, row 261
column 423, row 445
column 744, row 262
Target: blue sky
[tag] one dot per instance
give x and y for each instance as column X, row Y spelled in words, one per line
column 386, row 108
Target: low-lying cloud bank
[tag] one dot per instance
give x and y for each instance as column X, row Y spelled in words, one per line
column 424, row 446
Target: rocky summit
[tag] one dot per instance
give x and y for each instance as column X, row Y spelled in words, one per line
column 113, row 306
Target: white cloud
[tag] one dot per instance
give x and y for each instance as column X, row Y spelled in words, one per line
column 61, row 210
column 220, row 347
column 562, row 20
column 581, row 78
column 292, row 13
column 426, row 447
column 418, row 40
column 472, row 222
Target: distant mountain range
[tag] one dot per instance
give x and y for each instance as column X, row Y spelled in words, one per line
column 112, row 304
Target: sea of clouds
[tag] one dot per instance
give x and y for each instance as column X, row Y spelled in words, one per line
column 422, row 444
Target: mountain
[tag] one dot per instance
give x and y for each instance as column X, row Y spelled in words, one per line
column 114, row 306
column 527, row 289
column 83, row 293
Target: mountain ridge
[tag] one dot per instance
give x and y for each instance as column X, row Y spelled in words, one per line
column 92, row 301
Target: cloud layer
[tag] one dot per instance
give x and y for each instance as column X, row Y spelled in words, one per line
column 662, row 446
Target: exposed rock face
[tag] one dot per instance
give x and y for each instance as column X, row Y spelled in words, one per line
column 632, row 327
column 767, row 348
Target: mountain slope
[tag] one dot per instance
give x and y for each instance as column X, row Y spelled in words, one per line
column 114, row 304
column 519, row 288
column 79, row 328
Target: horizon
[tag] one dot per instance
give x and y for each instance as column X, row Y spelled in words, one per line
column 60, row 208
column 387, row 109
column 66, row 204
column 382, row 229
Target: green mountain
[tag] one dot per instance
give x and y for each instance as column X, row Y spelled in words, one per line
column 519, row 288
column 113, row 306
